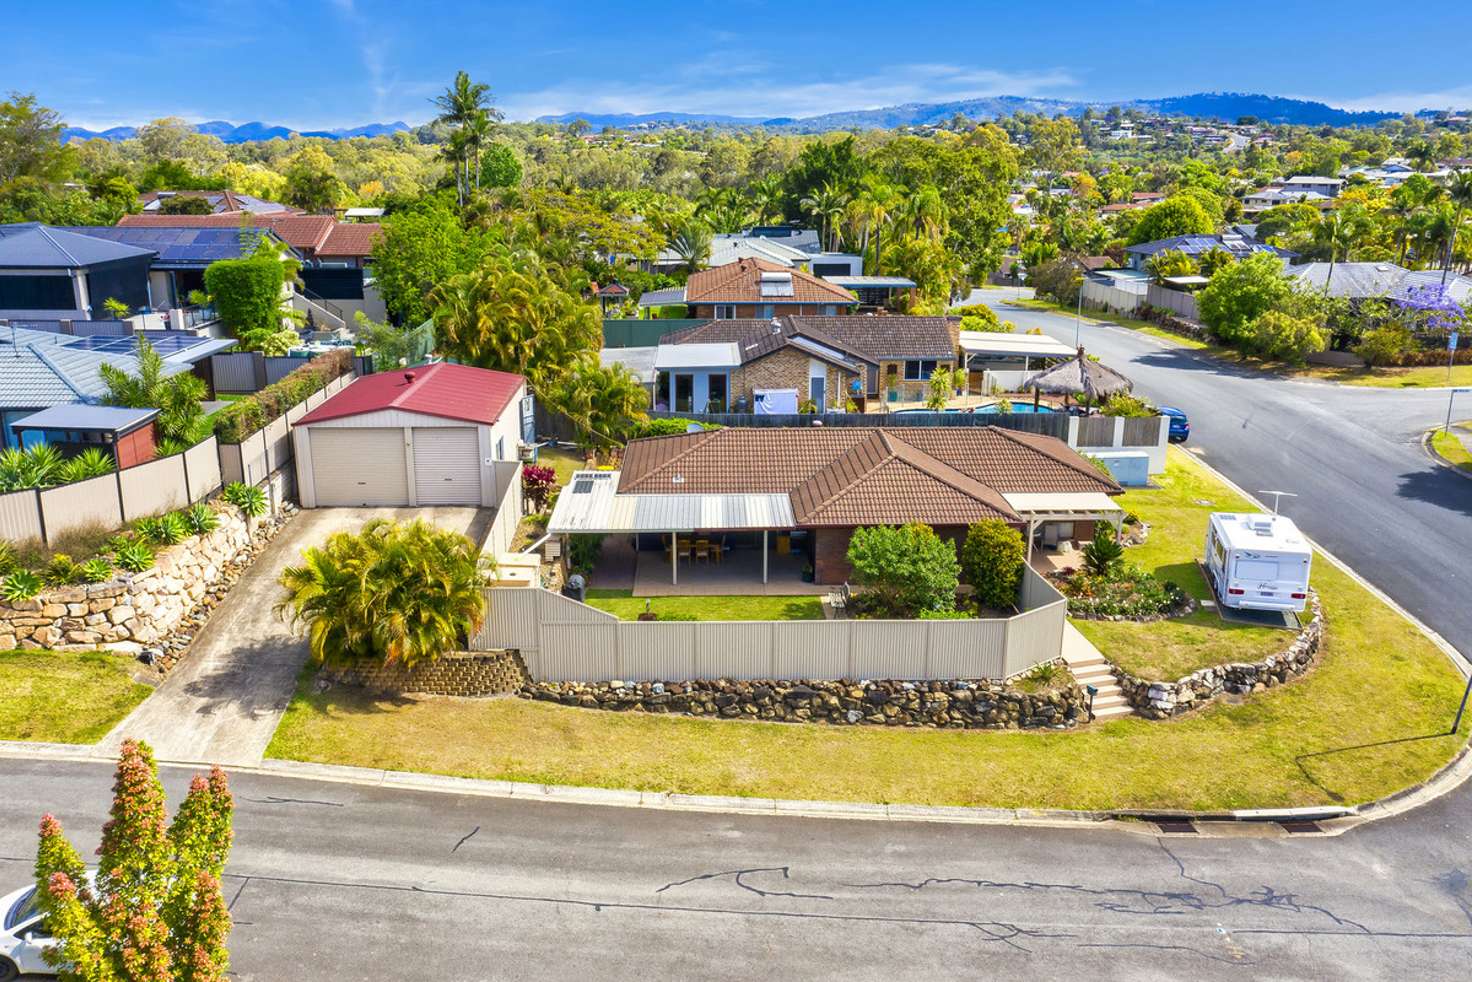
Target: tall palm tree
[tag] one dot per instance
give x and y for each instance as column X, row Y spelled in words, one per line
column 1422, row 153
column 466, row 107
column 1402, row 211
column 766, row 198
column 826, row 204
column 1459, row 190
column 1334, row 232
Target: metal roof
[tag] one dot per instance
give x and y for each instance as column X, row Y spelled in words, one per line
column 187, row 248
column 669, row 297
column 638, row 360
column 856, row 282
column 31, row 245
column 1062, row 504
column 591, row 503
column 1014, row 345
column 39, row 368
column 475, row 395
column 112, row 419
column 712, row 354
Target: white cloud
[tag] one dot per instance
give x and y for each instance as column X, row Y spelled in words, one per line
column 757, row 88
column 1458, row 97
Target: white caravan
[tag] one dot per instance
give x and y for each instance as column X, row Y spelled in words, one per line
column 1257, row 562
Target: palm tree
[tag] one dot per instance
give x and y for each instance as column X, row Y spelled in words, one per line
column 924, row 212
column 1422, row 153
column 826, row 204
column 1402, row 211
column 466, row 107
column 1334, row 232
column 1460, row 193
column 691, row 243
column 766, row 198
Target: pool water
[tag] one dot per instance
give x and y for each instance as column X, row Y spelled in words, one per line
column 1017, row 407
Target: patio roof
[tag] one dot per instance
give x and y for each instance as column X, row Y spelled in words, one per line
column 1062, row 506
column 591, row 503
column 1014, row 345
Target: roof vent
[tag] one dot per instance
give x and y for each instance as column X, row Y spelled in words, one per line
column 408, row 377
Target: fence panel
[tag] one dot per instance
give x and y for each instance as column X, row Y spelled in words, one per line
column 653, row 651
column 238, row 371
column 86, row 503
column 811, row 649
column 203, row 462
column 278, row 368
column 278, row 442
column 20, row 516
column 508, row 512
column 1096, row 431
column 512, row 617
column 1112, row 298
column 734, row 649
column 579, row 652
column 1034, row 637
column 888, row 650
column 1143, row 431
column 967, row 649
column 1177, row 301
column 154, row 487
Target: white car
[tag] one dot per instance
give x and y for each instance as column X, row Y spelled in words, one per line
column 23, row 936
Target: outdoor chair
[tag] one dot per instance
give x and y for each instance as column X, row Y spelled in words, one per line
column 702, row 550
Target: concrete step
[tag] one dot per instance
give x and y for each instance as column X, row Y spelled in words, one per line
column 1111, row 712
column 1106, row 701
column 1090, row 661
column 1096, row 673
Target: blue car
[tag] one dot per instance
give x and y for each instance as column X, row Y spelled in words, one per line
column 1180, row 424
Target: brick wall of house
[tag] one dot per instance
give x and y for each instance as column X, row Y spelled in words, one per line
column 787, row 368
column 753, row 310
column 910, row 391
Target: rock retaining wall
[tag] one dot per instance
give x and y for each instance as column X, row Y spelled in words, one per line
column 1160, row 700
column 156, row 611
column 956, row 704
column 469, row 673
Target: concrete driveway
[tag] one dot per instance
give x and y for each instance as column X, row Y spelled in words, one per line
column 222, row 702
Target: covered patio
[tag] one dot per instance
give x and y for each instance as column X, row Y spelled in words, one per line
column 1062, row 510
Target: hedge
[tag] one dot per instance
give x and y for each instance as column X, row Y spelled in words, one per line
column 247, row 292
column 245, row 416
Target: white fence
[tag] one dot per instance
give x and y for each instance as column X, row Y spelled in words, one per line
column 508, row 510
column 1148, row 434
column 562, row 640
column 1102, row 296
column 111, row 500
column 270, row 447
column 1179, row 302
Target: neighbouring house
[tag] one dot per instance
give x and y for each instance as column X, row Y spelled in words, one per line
column 758, row 288
column 1363, row 281
column 799, row 251
column 336, row 272
column 1271, row 197
column 876, row 293
column 441, row 434
column 827, row 359
column 1239, row 246
column 1147, row 198
column 49, row 273
column 41, row 369
column 129, row 436
column 791, row 497
column 1327, row 186
column 220, row 202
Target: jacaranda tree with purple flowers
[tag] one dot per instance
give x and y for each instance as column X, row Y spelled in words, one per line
column 1431, row 308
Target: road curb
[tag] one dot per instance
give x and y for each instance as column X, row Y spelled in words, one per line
column 1437, row 458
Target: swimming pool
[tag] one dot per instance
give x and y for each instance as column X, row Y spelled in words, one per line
column 1017, row 407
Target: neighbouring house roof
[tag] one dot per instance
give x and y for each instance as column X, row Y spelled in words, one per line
column 845, row 476
column 220, row 201
column 591, row 503
column 864, row 339
column 79, row 416
column 998, row 345
column 755, row 338
column 41, row 368
column 742, row 282
column 709, row 354
column 871, row 282
column 179, row 247
column 1311, row 180
column 475, row 395
column 1363, row 280
column 31, row 245
column 1195, row 245
column 312, row 235
column 668, row 297
column 351, row 239
column 638, row 360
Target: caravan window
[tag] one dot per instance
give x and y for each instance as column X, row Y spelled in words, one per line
column 1256, row 569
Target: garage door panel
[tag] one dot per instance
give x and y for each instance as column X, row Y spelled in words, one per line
column 358, row 467
column 447, row 465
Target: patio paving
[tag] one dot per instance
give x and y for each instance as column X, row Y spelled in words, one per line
column 739, row 575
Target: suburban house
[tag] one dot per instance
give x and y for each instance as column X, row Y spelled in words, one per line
column 781, row 499
column 51, row 273
column 1273, row 196
column 441, row 434
column 1327, row 186
column 1239, row 246
column 787, row 246
column 335, row 254
column 826, row 359
column 41, row 369
column 758, row 288
column 129, row 436
column 1361, row 281
column 220, row 202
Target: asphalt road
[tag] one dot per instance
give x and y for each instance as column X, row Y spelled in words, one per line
column 1366, row 490
column 339, row 882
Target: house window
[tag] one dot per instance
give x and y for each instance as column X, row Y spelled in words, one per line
column 662, row 391
column 500, row 448
column 765, row 311
column 725, row 311
column 684, row 393
column 919, row 369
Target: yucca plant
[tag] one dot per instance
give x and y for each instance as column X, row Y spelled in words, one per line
column 133, row 555
column 92, row 462
column 8, row 562
column 95, row 570
column 162, row 530
column 250, row 499
column 37, row 467
column 200, row 518
column 20, row 585
column 61, row 571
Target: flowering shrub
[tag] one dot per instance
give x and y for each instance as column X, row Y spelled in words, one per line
column 1125, row 590
column 537, row 484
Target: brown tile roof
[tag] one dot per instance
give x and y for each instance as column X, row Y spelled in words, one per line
column 314, row 234
column 861, row 337
column 861, row 475
column 350, row 239
column 740, row 282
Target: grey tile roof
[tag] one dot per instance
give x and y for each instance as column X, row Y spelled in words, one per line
column 40, row 369
column 31, row 245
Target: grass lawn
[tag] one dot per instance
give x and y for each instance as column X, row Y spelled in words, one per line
column 64, row 696
column 1454, row 450
column 1369, row 720
column 628, row 607
column 563, row 460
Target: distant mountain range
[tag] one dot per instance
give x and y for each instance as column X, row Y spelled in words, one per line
column 245, row 132
column 1226, row 106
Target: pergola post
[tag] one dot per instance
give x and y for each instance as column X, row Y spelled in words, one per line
column 674, row 557
column 764, row 556
column 1032, row 527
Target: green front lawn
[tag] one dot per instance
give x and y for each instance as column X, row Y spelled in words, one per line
column 1453, row 449
column 563, row 460
column 1370, row 719
column 628, row 607
column 64, row 696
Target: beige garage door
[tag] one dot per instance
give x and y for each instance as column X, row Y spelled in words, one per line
column 359, row 467
column 446, row 465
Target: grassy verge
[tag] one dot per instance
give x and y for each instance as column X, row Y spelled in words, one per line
column 563, row 460
column 628, row 607
column 1452, row 449
column 64, row 696
column 1369, row 720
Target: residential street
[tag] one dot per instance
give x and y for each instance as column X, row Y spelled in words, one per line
column 332, row 881
column 1366, row 490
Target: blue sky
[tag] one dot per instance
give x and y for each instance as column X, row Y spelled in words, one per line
column 322, row 63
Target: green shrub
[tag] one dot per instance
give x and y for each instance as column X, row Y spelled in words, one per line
column 983, row 318
column 247, row 293
column 248, row 415
column 95, row 570
column 8, row 561
column 905, row 569
column 668, row 427
column 20, row 585
column 991, row 559
column 163, row 530
column 1281, row 335
column 60, row 571
column 200, row 519
column 1045, row 674
column 583, row 552
column 1125, row 590
column 1386, row 345
column 1123, row 404
column 250, row 499
column 90, row 463
column 1103, row 552
column 133, row 555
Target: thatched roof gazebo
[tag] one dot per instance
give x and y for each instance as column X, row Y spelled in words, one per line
column 1078, row 377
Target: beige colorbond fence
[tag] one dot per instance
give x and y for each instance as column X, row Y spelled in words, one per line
column 562, row 640
column 113, row 499
column 270, row 447
column 508, row 510
column 1177, row 301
